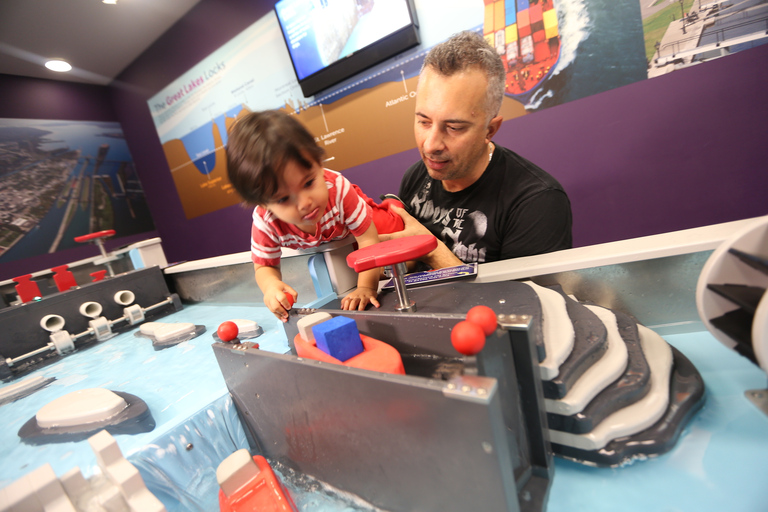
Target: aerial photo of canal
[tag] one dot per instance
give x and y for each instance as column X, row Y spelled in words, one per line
column 63, row 179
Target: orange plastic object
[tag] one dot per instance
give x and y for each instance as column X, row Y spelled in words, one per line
column 93, row 236
column 98, row 275
column 391, row 252
column 63, row 278
column 265, row 493
column 26, row 288
column 377, row 356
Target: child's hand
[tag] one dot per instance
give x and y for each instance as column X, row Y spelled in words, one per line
column 279, row 299
column 359, row 299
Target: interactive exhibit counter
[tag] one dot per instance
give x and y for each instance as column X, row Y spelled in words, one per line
column 628, row 375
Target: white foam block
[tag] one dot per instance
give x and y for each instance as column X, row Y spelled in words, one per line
column 638, row 416
column 148, row 328
column 80, row 407
column 235, row 471
column 245, row 327
column 557, row 329
column 37, row 491
column 165, row 331
column 306, row 323
column 19, row 388
column 598, row 376
column 123, row 474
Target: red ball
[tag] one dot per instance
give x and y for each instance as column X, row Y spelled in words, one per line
column 467, row 338
column 227, row 331
column 484, row 317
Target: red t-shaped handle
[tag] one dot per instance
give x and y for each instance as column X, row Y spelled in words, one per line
column 93, row 236
column 395, row 253
column 97, row 239
column 391, row 252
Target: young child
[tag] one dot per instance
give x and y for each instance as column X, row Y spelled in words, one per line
column 274, row 163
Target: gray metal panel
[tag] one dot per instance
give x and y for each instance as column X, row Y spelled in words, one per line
column 401, row 442
column 428, row 333
column 236, row 284
column 660, row 293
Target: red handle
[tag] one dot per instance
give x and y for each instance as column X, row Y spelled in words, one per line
column 391, row 252
column 92, row 236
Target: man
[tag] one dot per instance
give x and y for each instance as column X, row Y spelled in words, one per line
column 482, row 201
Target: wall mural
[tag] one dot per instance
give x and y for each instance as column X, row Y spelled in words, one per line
column 682, row 33
column 555, row 51
column 63, row 179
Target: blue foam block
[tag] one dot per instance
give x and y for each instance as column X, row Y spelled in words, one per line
column 338, row 337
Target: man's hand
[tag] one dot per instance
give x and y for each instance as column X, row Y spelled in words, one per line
column 412, row 226
column 441, row 257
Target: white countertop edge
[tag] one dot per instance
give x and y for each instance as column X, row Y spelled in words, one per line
column 675, row 243
column 245, row 257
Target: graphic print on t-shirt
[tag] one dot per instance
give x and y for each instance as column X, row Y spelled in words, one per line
column 462, row 230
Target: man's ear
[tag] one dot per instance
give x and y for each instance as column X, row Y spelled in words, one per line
column 493, row 127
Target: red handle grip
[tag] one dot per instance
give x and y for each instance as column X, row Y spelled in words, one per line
column 93, row 236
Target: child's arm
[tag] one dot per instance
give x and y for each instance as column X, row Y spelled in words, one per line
column 368, row 281
column 278, row 296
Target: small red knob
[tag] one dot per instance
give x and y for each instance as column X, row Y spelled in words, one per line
column 484, row 317
column 227, row 331
column 467, row 338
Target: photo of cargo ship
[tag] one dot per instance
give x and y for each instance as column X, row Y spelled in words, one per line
column 526, row 35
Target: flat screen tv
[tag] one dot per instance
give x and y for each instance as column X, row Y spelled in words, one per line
column 332, row 40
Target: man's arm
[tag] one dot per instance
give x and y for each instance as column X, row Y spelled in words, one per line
column 441, row 257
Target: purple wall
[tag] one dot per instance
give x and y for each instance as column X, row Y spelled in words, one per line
column 33, row 98
column 682, row 150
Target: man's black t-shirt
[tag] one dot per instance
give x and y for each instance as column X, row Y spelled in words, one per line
column 515, row 209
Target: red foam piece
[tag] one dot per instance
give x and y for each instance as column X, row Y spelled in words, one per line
column 264, row 493
column 26, row 288
column 391, row 252
column 98, row 275
column 63, row 278
column 93, row 236
column 377, row 356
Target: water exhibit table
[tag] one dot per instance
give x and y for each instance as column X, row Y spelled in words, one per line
column 718, row 463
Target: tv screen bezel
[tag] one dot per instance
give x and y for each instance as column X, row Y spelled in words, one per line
column 365, row 58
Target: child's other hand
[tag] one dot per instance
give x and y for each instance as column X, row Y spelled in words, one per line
column 359, row 298
column 279, row 299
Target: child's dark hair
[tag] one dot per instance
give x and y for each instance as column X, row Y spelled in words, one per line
column 260, row 145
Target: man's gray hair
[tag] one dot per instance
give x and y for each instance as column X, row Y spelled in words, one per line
column 467, row 50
